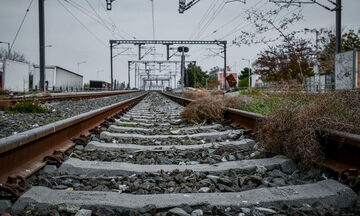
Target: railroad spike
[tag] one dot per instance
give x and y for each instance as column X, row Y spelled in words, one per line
column 13, row 185
column 95, row 130
column 56, row 159
column 82, row 140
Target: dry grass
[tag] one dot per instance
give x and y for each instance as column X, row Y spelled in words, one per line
column 293, row 118
column 201, row 93
column 292, row 127
column 194, row 95
column 217, row 92
column 206, row 109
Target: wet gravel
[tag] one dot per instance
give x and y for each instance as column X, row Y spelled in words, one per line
column 11, row 124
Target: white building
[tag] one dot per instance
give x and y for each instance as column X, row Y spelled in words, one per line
column 58, row 78
column 256, row 80
column 15, row 76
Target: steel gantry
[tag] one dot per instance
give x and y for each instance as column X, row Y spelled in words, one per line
column 147, row 74
column 167, row 43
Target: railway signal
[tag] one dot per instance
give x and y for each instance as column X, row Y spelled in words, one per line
column 109, row 4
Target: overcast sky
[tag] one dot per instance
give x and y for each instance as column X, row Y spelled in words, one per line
column 72, row 43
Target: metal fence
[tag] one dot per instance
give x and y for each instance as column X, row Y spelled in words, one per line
column 320, row 83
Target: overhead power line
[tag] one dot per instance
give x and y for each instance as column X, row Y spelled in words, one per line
column 82, row 24
column 21, row 24
column 337, row 7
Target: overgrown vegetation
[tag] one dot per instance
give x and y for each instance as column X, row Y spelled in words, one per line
column 205, row 109
column 27, row 107
column 293, row 119
column 292, row 127
column 201, row 93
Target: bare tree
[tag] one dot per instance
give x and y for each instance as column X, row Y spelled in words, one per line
column 271, row 26
column 13, row 55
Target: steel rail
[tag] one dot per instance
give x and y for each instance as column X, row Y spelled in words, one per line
column 25, row 153
column 8, row 102
column 342, row 149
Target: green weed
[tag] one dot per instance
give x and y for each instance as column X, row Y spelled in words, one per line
column 127, row 125
column 27, row 107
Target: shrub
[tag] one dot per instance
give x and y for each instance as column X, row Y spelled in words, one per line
column 198, row 93
column 206, row 109
column 217, row 92
column 243, row 83
column 292, row 128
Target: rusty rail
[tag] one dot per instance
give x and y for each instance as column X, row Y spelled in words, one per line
column 23, row 154
column 342, row 150
column 9, row 102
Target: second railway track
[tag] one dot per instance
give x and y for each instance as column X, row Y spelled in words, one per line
column 149, row 162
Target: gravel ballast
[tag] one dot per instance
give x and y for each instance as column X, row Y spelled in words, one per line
column 13, row 123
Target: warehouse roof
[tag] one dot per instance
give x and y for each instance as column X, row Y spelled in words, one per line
column 54, row 66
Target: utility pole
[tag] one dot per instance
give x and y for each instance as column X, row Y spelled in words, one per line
column 128, row 75
column 249, row 68
column 225, row 66
column 182, row 69
column 111, row 64
column 194, row 76
column 338, row 25
column 42, row 43
column 78, row 66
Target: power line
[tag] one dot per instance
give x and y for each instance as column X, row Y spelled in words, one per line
column 233, row 19
column 21, row 24
column 83, row 25
column 153, row 18
column 90, row 14
column 217, row 11
column 240, row 26
column 112, row 23
column 212, row 5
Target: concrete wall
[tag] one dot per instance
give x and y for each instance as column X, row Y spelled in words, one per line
column 346, row 73
column 16, row 76
column 66, row 79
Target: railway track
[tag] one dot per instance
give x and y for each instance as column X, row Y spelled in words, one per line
column 146, row 161
column 341, row 149
column 11, row 101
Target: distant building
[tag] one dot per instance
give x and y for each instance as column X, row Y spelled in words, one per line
column 219, row 73
column 256, row 81
column 58, row 79
column 14, row 76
